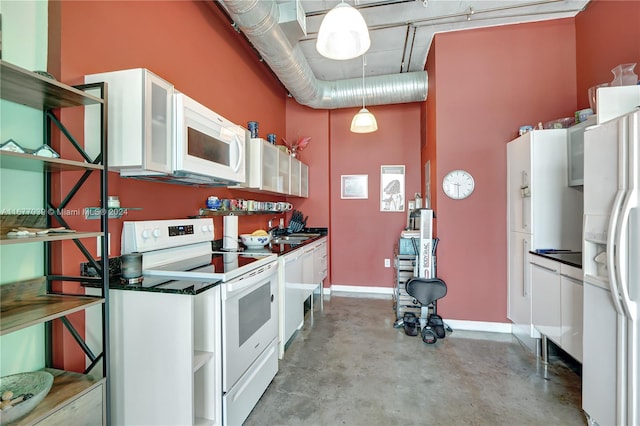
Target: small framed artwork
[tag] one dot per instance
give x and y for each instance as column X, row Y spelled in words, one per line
column 353, row 187
column 392, row 188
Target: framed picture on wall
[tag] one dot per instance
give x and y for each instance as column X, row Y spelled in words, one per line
column 354, row 187
column 392, row 188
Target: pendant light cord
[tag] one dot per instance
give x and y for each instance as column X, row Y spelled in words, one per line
column 363, row 90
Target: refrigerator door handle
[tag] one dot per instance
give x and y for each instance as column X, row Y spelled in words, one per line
column 622, row 238
column 611, row 247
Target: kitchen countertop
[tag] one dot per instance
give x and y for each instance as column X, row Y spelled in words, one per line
column 282, row 249
column 571, row 258
column 196, row 287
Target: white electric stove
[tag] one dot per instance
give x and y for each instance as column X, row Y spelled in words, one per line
column 176, row 254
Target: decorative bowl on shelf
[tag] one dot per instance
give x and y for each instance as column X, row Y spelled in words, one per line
column 21, row 393
column 255, row 241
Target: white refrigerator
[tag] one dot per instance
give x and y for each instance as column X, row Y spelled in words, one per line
column 611, row 258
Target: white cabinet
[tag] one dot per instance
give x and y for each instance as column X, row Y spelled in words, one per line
column 166, row 357
column 571, row 310
column 140, row 109
column 301, row 273
column 304, row 180
column 545, row 281
column 320, row 261
column 575, row 151
column 558, row 303
column 291, row 304
column 284, row 172
column 519, row 294
column 543, row 212
column 272, row 170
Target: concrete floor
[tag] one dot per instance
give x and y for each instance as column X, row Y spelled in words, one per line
column 349, row 366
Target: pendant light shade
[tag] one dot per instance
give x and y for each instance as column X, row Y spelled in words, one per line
column 343, row 34
column 364, row 122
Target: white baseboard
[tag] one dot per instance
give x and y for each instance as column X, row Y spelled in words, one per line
column 359, row 289
column 362, row 291
column 492, row 327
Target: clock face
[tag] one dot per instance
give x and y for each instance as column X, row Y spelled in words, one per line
column 458, row 184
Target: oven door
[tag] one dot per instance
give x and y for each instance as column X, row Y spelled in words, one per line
column 206, row 143
column 249, row 320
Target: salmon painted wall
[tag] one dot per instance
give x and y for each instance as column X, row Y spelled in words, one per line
column 608, row 34
column 361, row 235
column 187, row 43
column 489, row 82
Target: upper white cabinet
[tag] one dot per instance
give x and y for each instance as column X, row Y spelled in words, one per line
column 304, row 180
column 270, row 169
column 575, row 151
column 140, row 110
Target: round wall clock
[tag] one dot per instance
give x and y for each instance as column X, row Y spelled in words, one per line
column 458, row 184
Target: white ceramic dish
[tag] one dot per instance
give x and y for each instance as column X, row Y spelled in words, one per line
column 255, row 241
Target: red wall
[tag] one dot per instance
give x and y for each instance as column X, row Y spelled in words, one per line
column 362, row 235
column 608, row 34
column 489, row 82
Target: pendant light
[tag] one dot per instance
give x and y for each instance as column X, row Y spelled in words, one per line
column 343, row 33
column 363, row 121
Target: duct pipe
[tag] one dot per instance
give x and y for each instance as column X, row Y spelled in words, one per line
column 258, row 20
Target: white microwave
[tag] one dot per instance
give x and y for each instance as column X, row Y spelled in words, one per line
column 207, row 146
column 157, row 133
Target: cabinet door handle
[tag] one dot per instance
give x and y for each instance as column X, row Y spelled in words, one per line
column 569, row 277
column 525, row 293
column 546, row 268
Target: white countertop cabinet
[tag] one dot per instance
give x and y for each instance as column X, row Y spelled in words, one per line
column 166, row 358
column 302, row 272
column 557, row 296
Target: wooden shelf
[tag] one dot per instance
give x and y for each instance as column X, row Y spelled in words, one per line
column 5, row 239
column 67, row 386
column 28, row 88
column 26, row 303
column 34, row 163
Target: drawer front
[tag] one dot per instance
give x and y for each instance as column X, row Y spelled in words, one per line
column 87, row 410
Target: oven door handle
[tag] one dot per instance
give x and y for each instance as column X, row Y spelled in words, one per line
column 248, row 281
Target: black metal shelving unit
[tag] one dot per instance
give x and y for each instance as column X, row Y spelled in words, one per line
column 30, row 302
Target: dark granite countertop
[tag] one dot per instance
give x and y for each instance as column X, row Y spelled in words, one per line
column 189, row 287
column 571, row 258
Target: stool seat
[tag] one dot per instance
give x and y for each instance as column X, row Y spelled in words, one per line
column 426, row 290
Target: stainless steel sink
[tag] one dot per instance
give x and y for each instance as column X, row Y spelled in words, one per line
column 293, row 238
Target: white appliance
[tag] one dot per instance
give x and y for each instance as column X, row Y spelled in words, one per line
column 611, row 253
column 178, row 253
column 207, row 146
column 157, row 133
column 543, row 212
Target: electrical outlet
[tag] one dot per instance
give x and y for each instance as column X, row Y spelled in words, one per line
column 99, row 245
column 387, row 263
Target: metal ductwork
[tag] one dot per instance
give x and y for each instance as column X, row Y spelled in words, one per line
column 258, row 20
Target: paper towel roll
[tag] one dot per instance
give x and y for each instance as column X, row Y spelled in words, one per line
column 230, row 233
